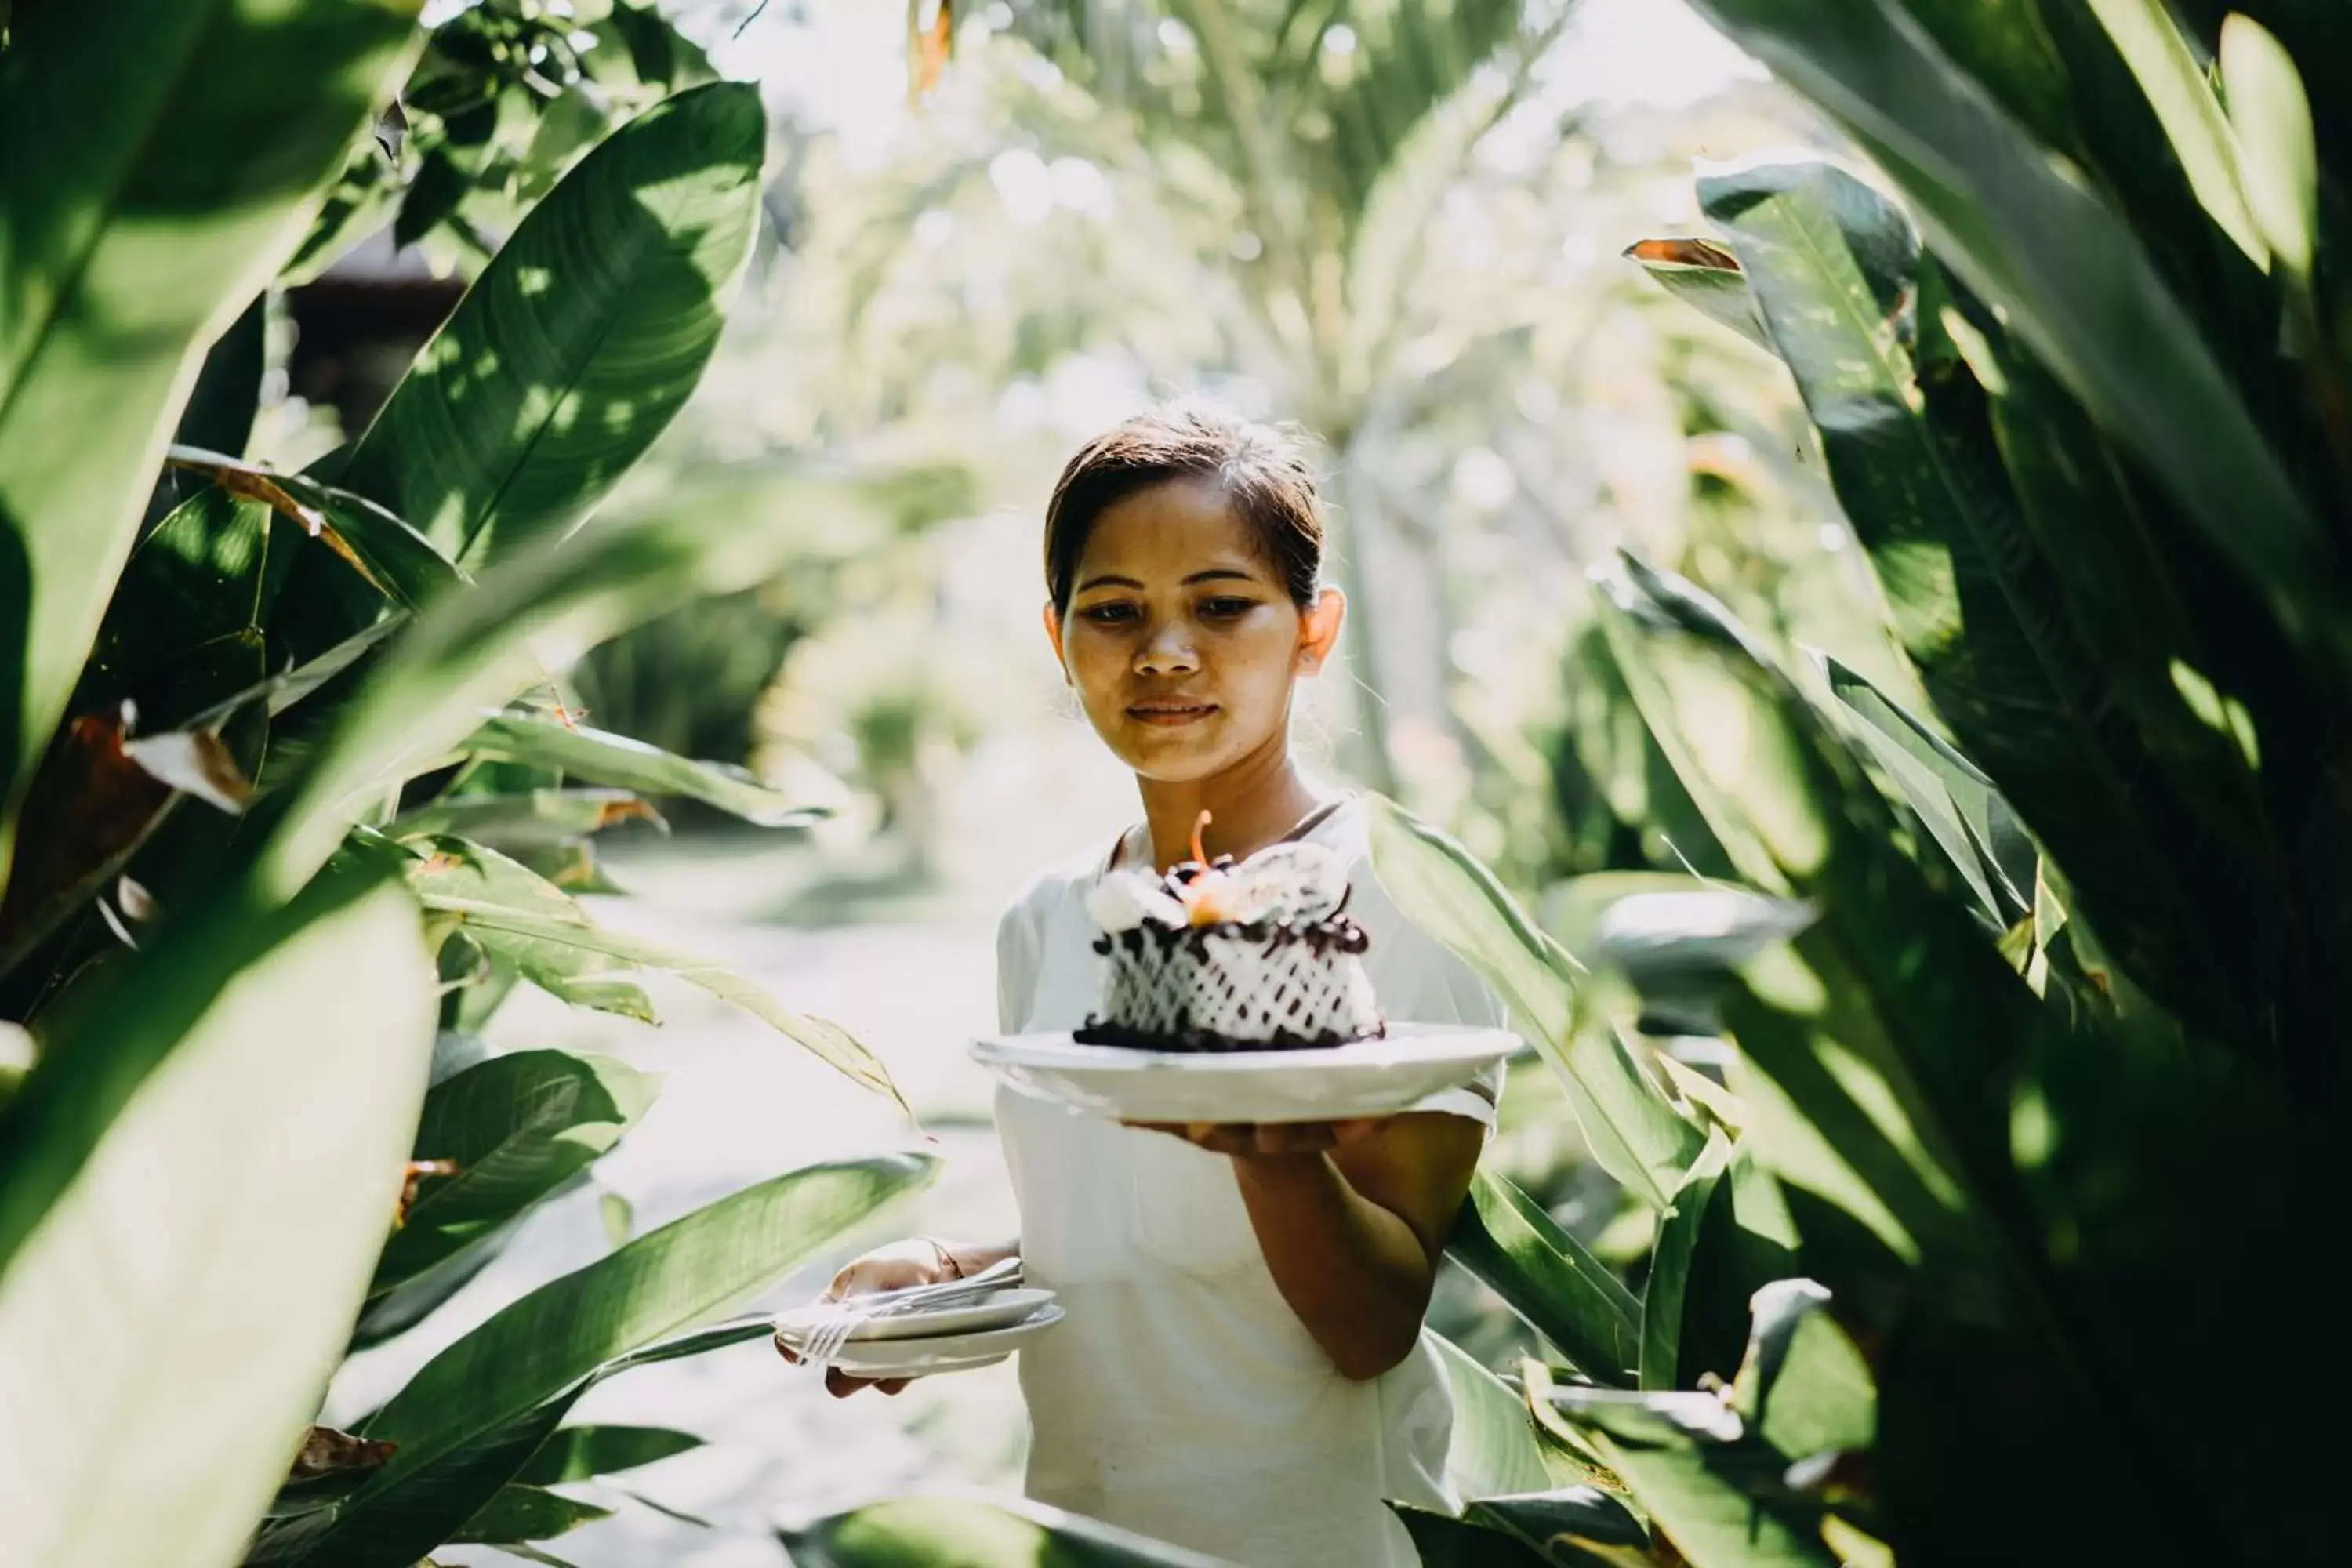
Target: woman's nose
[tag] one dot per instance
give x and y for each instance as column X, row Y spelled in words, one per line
column 1168, row 651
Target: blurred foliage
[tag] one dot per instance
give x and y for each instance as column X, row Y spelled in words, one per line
column 506, row 96
column 285, row 777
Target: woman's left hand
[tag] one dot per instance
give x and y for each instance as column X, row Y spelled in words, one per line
column 1260, row 1140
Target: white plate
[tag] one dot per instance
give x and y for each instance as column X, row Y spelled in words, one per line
column 1367, row 1078
column 999, row 1309
column 941, row 1352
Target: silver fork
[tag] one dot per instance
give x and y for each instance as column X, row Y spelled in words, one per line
column 825, row 1342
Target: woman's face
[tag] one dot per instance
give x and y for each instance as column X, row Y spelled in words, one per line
column 1180, row 638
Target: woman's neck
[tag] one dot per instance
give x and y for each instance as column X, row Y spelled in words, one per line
column 1250, row 805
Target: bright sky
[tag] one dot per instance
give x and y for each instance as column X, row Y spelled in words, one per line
column 846, row 68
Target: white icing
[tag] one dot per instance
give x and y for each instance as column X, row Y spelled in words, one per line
column 1123, row 901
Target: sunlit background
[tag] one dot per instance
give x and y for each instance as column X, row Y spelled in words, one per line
column 960, row 278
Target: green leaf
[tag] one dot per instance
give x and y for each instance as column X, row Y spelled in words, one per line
column 1494, row 1449
column 475, row 649
column 607, row 759
column 392, row 1528
column 1706, row 276
column 517, row 1126
column 581, row 340
column 1670, row 1267
column 1443, row 1542
column 1961, row 807
column 1635, row 1132
column 513, row 912
column 2075, row 282
column 481, row 880
column 2083, row 738
column 248, row 1179
column 1543, row 1274
column 125, row 249
column 2146, row 33
column 227, row 393
column 2272, row 115
column 534, row 819
column 964, row 1532
column 578, row 1453
column 517, row 1512
column 473, row 1416
column 688, row 1270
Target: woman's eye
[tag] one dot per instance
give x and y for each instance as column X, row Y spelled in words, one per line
column 1225, row 609
column 1107, row 615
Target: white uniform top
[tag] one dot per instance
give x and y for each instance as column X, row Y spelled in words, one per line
column 1182, row 1397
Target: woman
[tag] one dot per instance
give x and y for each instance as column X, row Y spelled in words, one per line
column 1242, row 1369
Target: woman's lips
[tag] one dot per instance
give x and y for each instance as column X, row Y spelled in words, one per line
column 1169, row 714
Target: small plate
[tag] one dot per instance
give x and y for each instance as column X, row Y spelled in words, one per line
column 998, row 1310
column 941, row 1352
column 1367, row 1078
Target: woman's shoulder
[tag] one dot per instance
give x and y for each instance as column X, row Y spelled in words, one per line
column 1052, row 885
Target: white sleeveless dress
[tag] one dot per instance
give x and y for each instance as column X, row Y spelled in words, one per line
column 1182, row 1397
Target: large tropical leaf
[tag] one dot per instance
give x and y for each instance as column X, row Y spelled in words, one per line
column 1636, row 1133
column 2073, row 280
column 580, row 1453
column 471, row 1418
column 582, row 338
column 513, row 912
column 435, row 1503
column 965, row 1532
column 175, row 1312
column 125, row 246
column 1542, row 1273
column 515, row 1127
column 600, row 757
column 2092, row 766
column 1713, row 1471
column 479, row 648
column 1885, row 1053
column 1494, row 1448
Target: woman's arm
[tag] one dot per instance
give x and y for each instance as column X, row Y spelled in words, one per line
column 1353, row 1234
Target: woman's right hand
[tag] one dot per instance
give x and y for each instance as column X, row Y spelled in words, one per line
column 918, row 1260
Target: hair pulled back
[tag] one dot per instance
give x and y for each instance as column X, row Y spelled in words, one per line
column 1263, row 471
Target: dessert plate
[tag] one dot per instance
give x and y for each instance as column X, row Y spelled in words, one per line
column 936, row 1353
column 1000, row 1310
column 1367, row 1078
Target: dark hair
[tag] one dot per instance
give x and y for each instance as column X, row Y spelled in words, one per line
column 1263, row 472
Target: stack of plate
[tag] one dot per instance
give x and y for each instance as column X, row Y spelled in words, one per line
column 921, row 1342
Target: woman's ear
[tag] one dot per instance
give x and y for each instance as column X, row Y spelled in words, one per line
column 1053, row 635
column 1318, row 629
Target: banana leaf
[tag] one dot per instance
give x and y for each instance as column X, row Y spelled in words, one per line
column 247, row 1183
column 125, row 248
column 1707, row 278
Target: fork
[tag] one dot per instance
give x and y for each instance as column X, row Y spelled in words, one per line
column 832, row 1331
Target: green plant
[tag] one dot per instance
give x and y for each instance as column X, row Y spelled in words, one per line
column 2032, row 994
column 242, row 813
